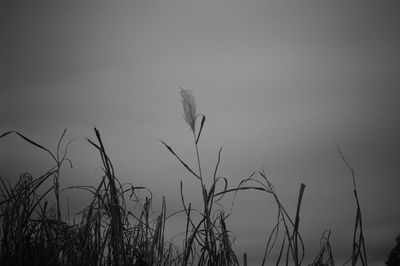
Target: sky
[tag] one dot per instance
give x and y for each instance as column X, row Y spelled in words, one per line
column 276, row 80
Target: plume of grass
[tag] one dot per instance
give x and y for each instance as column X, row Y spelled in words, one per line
column 189, row 108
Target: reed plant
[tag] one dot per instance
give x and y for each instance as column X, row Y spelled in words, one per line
column 210, row 233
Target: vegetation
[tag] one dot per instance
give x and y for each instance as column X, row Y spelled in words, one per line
column 34, row 232
column 394, row 255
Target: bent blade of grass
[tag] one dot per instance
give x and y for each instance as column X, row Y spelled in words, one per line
column 182, row 162
column 29, row 141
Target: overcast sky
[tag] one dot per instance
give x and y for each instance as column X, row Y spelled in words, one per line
column 277, row 80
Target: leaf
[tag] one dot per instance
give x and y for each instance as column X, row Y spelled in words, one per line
column 203, row 119
column 182, row 162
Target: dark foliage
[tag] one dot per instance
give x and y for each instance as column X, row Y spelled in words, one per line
column 394, row 255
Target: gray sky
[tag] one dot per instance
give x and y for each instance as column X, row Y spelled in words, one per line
column 277, row 80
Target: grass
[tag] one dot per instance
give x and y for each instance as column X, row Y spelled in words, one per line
column 34, row 232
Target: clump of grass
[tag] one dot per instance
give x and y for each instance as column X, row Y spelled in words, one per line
column 108, row 233
column 34, row 232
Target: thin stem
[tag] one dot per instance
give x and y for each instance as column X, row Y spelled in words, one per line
column 198, row 158
column 209, row 240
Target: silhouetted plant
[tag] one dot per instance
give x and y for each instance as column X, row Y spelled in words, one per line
column 213, row 239
column 394, row 255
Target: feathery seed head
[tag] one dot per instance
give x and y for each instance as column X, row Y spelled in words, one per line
column 189, row 107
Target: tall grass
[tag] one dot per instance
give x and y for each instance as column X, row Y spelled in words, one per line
column 34, row 232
